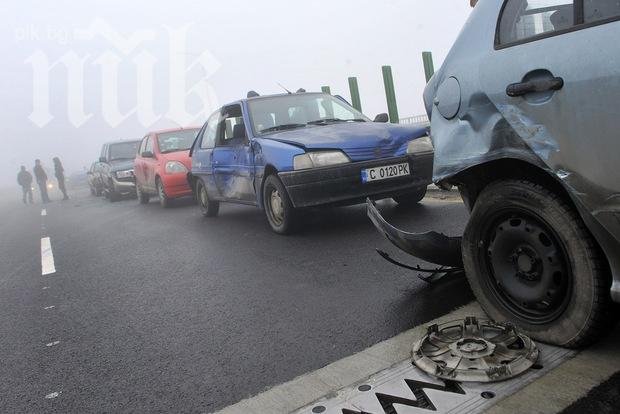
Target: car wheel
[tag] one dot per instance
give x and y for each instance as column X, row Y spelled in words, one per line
column 411, row 199
column 143, row 198
column 530, row 260
column 113, row 196
column 163, row 199
column 208, row 207
column 279, row 210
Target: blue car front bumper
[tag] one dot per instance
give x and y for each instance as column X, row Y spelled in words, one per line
column 342, row 184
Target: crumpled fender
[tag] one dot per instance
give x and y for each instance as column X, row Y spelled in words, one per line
column 432, row 247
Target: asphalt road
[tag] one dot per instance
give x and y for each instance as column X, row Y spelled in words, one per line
column 165, row 311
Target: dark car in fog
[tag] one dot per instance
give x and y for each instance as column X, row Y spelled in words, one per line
column 116, row 169
column 94, row 179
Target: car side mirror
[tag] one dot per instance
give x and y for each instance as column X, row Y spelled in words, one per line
column 382, row 118
column 102, row 159
column 148, row 154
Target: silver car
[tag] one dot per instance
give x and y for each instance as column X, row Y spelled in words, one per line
column 525, row 119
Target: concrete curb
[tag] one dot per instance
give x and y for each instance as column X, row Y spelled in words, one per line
column 303, row 390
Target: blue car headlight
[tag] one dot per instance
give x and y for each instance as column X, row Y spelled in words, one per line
column 420, row 145
column 319, row 159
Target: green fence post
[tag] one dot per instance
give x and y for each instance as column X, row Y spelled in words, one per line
column 390, row 94
column 429, row 67
column 355, row 94
column 326, row 89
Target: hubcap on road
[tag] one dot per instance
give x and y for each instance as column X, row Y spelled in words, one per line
column 530, row 273
column 474, row 349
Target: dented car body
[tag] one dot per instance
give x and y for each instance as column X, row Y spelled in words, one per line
column 529, row 97
column 288, row 152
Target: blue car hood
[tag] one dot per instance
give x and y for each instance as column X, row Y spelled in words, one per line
column 359, row 140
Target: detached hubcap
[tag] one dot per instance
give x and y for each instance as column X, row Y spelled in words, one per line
column 529, row 269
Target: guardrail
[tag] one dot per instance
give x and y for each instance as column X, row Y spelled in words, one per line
column 421, row 120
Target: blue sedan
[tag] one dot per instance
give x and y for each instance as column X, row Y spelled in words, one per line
column 284, row 153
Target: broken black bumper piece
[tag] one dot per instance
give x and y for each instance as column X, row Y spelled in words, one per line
column 431, row 247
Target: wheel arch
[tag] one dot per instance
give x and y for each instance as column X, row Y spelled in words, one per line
column 473, row 180
column 270, row 169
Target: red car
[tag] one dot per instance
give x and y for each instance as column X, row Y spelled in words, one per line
column 162, row 163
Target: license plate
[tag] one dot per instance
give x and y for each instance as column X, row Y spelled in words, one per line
column 386, row 172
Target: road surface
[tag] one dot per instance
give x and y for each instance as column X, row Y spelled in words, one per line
column 162, row 310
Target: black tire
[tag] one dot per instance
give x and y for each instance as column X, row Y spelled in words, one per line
column 143, row 197
column 530, row 260
column 164, row 201
column 411, row 199
column 279, row 210
column 208, row 207
column 113, row 196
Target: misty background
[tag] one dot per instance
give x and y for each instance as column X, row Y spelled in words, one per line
column 229, row 48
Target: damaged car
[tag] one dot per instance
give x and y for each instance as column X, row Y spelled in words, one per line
column 525, row 117
column 289, row 152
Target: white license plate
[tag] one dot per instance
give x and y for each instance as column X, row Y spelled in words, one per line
column 384, row 173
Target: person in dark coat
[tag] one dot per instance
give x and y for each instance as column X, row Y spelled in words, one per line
column 24, row 179
column 41, row 177
column 59, row 171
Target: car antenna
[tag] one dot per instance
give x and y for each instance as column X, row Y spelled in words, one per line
column 281, row 86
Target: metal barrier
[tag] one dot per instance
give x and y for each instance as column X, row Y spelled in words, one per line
column 421, row 120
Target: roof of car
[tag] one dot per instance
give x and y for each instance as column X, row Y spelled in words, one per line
column 282, row 95
column 163, row 131
column 122, row 141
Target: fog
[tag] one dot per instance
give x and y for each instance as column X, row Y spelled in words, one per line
column 76, row 74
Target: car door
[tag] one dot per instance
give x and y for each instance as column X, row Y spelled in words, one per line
column 233, row 168
column 555, row 77
column 150, row 162
column 139, row 164
column 202, row 153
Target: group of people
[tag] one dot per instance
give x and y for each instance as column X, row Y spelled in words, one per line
column 24, row 179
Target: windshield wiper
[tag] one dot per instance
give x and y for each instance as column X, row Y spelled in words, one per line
column 283, row 127
column 331, row 120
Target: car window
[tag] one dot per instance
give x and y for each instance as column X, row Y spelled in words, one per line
column 525, row 19
column 148, row 146
column 231, row 127
column 124, row 150
column 143, row 145
column 597, row 10
column 210, row 133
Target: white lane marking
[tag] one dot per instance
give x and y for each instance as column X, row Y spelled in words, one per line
column 49, row 307
column 49, row 344
column 44, row 212
column 45, row 287
column 47, row 257
column 53, row 395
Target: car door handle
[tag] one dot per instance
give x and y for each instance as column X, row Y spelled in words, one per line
column 542, row 85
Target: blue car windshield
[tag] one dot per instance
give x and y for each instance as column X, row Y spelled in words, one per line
column 299, row 110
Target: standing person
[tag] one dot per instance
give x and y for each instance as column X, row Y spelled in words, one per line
column 24, row 179
column 41, row 177
column 60, row 176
